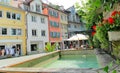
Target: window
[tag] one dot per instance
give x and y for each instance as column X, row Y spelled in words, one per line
column 32, row 7
column 13, row 31
column 33, row 47
column 8, row 15
column 43, row 33
column 51, row 34
column 0, row 13
column 16, row 32
column 54, row 34
column 51, row 23
column 4, row 31
column 2, row 47
column 54, row 23
column 69, row 25
column 61, row 17
column 26, row 7
column 53, row 13
column 58, row 35
column 42, row 20
column 75, row 26
column 19, row 31
column 13, row 16
column 18, row 16
column 33, row 19
column 57, row 24
column 34, row 33
column 37, row 8
column 50, row 12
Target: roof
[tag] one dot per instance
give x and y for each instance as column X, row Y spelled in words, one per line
column 54, row 8
column 27, row 2
column 11, row 7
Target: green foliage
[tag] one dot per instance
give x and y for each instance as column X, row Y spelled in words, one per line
column 49, row 47
column 96, row 42
column 116, row 49
column 102, row 36
column 90, row 41
column 106, row 69
column 89, row 11
column 114, row 71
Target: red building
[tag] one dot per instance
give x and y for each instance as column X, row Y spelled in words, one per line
column 53, row 23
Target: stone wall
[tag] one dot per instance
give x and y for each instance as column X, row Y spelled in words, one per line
column 35, row 61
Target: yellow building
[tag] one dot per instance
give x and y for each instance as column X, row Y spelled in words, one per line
column 64, row 23
column 12, row 30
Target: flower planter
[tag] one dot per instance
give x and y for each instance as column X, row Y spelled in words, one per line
column 114, row 35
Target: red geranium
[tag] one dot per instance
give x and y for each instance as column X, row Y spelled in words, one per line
column 110, row 20
column 94, row 27
column 114, row 13
column 93, row 33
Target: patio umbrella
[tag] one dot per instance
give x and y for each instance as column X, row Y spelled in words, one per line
column 78, row 37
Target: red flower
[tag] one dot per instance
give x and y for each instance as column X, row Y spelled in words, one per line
column 110, row 20
column 93, row 33
column 114, row 13
column 94, row 27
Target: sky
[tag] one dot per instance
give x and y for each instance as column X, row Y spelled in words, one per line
column 65, row 3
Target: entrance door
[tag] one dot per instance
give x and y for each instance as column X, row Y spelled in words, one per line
column 19, row 46
column 1, row 48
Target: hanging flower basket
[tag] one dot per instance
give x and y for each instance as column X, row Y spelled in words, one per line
column 114, row 35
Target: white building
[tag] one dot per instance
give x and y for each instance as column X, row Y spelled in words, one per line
column 37, row 26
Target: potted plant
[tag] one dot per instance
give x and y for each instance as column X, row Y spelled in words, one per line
column 112, row 24
column 49, row 47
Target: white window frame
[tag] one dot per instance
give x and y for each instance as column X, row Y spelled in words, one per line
column 18, row 16
column 11, row 31
column 19, row 31
column 34, row 18
column 44, row 33
column 32, row 32
column 42, row 20
column 2, row 32
column 10, row 15
column 38, row 9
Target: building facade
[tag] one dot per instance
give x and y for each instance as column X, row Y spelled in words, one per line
column 53, row 23
column 37, row 26
column 64, row 29
column 64, row 24
column 12, row 30
column 74, row 22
